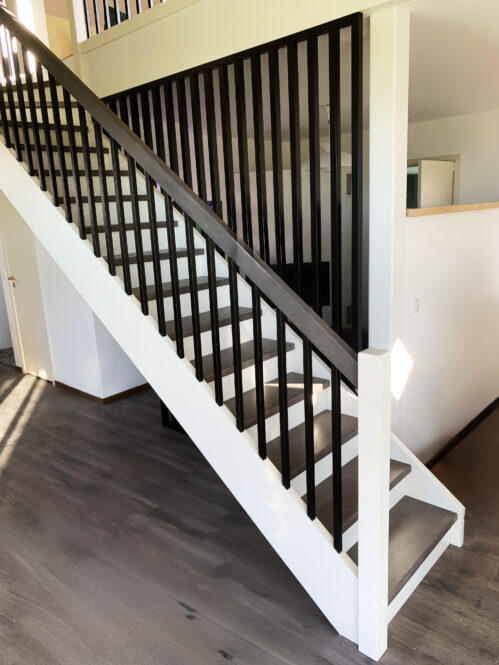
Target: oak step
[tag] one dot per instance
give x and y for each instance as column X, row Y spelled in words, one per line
column 126, row 198
column 224, row 319
column 416, row 528
column 128, row 227
column 81, row 172
column 350, row 490
column 271, row 397
column 183, row 285
column 322, row 441
column 164, row 255
column 269, row 350
column 51, row 126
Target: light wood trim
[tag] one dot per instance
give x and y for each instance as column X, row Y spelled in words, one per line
column 442, row 210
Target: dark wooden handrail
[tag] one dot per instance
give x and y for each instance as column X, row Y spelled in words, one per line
column 295, row 310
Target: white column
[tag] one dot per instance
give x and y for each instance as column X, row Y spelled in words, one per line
column 388, row 113
column 374, row 481
column 78, row 32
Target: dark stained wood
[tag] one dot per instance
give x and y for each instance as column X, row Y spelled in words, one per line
column 350, row 493
column 269, row 350
column 322, row 441
column 164, row 255
column 183, row 284
column 129, row 226
column 271, row 390
column 224, row 319
column 416, row 528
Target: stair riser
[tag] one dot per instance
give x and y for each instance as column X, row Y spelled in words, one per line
column 223, row 296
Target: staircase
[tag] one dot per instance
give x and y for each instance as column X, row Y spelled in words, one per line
column 248, row 370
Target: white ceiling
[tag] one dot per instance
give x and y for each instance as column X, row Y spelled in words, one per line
column 454, row 58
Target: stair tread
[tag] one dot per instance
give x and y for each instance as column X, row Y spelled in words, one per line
column 183, row 284
column 269, row 350
column 51, row 125
column 224, row 319
column 79, row 149
column 416, row 528
column 322, row 441
column 128, row 227
column 350, row 487
column 164, row 255
column 271, row 397
column 111, row 198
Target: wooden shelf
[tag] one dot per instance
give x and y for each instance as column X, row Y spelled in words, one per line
column 442, row 210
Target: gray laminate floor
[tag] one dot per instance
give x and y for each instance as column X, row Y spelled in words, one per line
column 120, row 546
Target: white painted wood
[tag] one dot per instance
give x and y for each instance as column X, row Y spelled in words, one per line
column 435, row 183
column 374, row 482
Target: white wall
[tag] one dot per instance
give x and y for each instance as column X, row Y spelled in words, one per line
column 475, row 138
column 5, row 338
column 451, row 267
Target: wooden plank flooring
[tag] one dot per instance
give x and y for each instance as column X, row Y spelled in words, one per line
column 120, row 546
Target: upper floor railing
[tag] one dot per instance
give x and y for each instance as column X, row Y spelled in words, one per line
column 101, row 15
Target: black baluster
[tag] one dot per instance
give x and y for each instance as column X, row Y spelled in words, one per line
column 184, row 132
column 198, row 136
column 89, row 179
column 357, row 84
column 105, row 199
column 172, row 253
column 223, row 79
column 236, row 345
column 295, row 150
column 40, row 170
column 170, row 127
column 96, row 16
column 139, row 251
column 138, row 5
column 134, row 118
column 309, row 428
column 107, row 20
column 75, row 168
column 259, row 379
column 215, row 329
column 22, row 110
column 118, row 192
column 157, row 116
column 335, row 152
column 337, row 472
column 283, row 398
column 128, row 10
column 59, row 142
column 145, row 108
column 156, row 263
column 117, row 11
column 3, row 109
column 242, row 144
column 261, row 184
column 211, row 128
column 88, row 22
column 11, row 103
column 315, row 184
column 193, row 288
column 275, row 120
column 46, row 134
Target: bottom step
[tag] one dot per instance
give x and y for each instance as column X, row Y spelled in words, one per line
column 416, row 528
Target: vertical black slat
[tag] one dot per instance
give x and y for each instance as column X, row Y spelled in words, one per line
column 40, row 168
column 138, row 5
column 335, row 152
column 242, row 148
column 22, row 111
column 118, row 192
column 105, row 199
column 156, row 263
column 337, row 473
column 74, row 161
column 124, row 115
column 283, row 398
column 259, row 379
column 89, row 179
column 134, row 118
column 137, row 231
column 170, row 127
column 357, row 84
column 193, row 288
column 107, row 20
column 261, row 184
column 59, row 142
column 145, row 108
column 157, row 119
column 117, row 11
column 198, row 136
column 236, row 345
column 150, row 3
column 275, row 120
column 295, row 150
column 215, row 329
column 88, row 22
column 96, row 16
column 46, row 134
column 211, row 128
column 128, row 10
column 172, row 253
column 12, row 105
column 223, row 79
column 315, row 174
column 184, row 132
column 309, row 428
column 113, row 105
column 3, row 109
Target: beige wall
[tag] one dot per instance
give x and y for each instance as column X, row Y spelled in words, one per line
column 180, row 34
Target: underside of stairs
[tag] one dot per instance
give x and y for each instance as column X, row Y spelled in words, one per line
column 237, row 373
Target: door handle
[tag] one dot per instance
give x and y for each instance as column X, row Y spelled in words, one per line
column 12, row 279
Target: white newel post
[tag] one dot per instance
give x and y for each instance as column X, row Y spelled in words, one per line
column 374, row 482
column 78, row 30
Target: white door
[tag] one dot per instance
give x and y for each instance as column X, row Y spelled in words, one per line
column 436, row 183
column 22, row 291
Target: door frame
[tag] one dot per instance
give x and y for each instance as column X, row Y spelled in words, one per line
column 10, row 304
